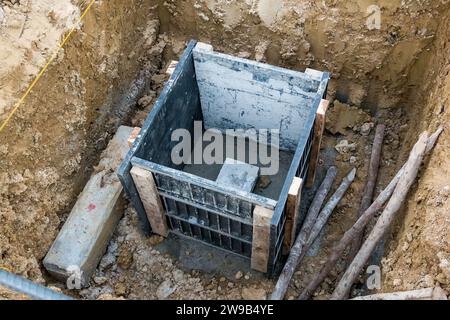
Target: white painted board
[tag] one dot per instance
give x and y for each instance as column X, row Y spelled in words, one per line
column 242, row 94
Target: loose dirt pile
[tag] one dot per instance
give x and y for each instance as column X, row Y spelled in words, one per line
column 112, row 70
column 132, row 268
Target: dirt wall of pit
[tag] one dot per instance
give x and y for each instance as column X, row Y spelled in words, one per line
column 404, row 65
column 373, row 68
column 419, row 254
column 48, row 150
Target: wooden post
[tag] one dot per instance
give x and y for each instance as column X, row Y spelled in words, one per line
column 319, row 127
column 411, row 171
column 436, row 293
column 338, row 250
column 311, row 229
column 262, row 218
column 292, row 212
column 369, row 188
column 145, row 184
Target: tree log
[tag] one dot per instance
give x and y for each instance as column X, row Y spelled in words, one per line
column 398, row 197
column 314, row 209
column 422, row 294
column 305, row 243
column 369, row 189
column 327, row 211
column 317, row 203
column 376, row 206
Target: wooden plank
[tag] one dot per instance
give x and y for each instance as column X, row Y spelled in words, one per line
column 145, row 184
column 171, row 68
column 133, row 136
column 262, row 218
column 296, row 217
column 292, row 213
column 319, row 126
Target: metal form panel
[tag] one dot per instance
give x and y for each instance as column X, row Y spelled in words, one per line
column 241, row 94
column 205, row 210
column 180, row 96
column 202, row 209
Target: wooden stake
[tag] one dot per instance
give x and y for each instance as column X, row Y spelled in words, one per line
column 319, row 126
column 262, row 218
column 317, row 203
column 148, row 192
column 398, row 197
column 294, row 256
column 327, row 211
column 422, row 294
column 370, row 186
column 339, row 248
column 357, row 228
column 292, row 212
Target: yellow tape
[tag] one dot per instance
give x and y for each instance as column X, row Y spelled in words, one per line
column 55, row 53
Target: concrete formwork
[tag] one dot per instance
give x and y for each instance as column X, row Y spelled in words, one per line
column 225, row 92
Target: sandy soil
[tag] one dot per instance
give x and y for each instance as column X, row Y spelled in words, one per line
column 420, row 253
column 113, row 69
column 30, row 32
column 48, row 150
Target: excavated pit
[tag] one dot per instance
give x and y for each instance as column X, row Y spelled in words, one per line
column 110, row 73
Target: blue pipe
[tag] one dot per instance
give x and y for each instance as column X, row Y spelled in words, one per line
column 29, row 288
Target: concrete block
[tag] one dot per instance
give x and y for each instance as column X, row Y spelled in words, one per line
column 83, row 239
column 238, row 175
